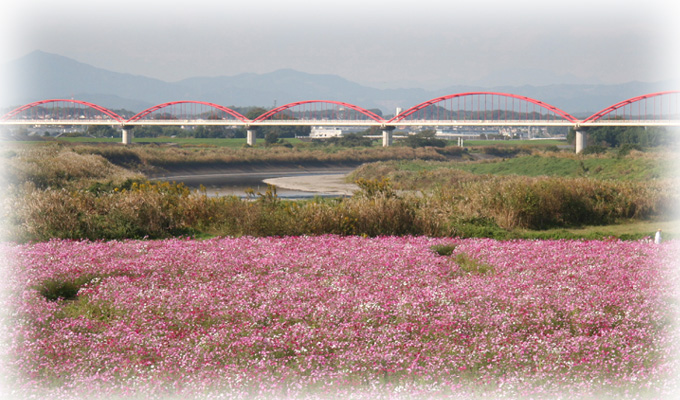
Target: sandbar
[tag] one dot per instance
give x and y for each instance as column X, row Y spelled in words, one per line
column 333, row 184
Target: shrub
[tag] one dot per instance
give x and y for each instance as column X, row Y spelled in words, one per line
column 444, row 249
column 538, row 203
column 477, row 227
column 146, row 210
column 594, row 149
column 121, row 156
column 58, row 167
column 371, row 188
column 626, row 148
column 74, row 200
column 380, row 215
column 54, row 289
column 488, row 207
column 471, row 265
column 422, row 139
column 504, row 151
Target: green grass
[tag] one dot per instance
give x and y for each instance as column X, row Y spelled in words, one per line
column 536, row 143
column 470, row 265
column 67, row 289
column 528, row 166
column 221, row 142
column 602, row 168
column 86, row 140
column 624, row 168
column 629, row 230
column 625, row 230
column 444, row 249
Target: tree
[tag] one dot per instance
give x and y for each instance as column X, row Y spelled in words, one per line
column 255, row 112
column 147, row 131
column 616, row 136
column 351, row 140
column 424, row 138
column 271, row 137
column 101, row 131
column 376, row 111
column 212, row 131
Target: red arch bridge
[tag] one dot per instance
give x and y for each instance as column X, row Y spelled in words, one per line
column 455, row 110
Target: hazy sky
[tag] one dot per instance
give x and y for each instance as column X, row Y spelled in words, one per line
column 371, row 42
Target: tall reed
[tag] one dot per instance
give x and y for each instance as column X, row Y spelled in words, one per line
column 55, row 192
column 162, row 209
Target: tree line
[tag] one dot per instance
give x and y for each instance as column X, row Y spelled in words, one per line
column 619, row 136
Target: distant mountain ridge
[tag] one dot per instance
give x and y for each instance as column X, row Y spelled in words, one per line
column 40, row 75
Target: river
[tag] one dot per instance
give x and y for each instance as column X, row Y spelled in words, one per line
column 290, row 183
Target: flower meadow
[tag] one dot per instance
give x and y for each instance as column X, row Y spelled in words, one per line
column 331, row 317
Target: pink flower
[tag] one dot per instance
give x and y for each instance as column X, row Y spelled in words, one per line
column 329, row 316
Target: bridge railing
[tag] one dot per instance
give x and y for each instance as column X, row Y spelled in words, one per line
column 187, row 110
column 461, row 109
column 484, row 106
column 479, row 122
column 62, row 110
column 660, row 106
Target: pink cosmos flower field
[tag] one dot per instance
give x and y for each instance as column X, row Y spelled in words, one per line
column 332, row 317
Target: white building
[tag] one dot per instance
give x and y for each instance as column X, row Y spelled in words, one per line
column 458, row 132
column 325, row 132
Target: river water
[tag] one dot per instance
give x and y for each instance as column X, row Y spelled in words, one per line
column 235, row 183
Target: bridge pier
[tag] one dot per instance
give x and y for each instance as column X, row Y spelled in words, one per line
column 387, row 138
column 250, row 136
column 581, row 140
column 127, row 134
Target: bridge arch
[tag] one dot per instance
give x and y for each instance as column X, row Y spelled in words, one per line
column 313, row 112
column 137, row 117
column 39, row 104
column 661, row 101
column 488, row 104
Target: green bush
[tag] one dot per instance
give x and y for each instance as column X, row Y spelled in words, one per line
column 593, row 149
column 62, row 289
column 626, row 148
column 504, row 151
column 471, row 265
column 444, row 249
column 478, row 227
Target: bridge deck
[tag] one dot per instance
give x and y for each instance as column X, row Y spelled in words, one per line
column 339, row 123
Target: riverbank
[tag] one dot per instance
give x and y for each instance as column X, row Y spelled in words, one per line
column 330, row 184
column 294, row 181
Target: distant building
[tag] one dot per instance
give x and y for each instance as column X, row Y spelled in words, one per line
column 325, row 132
column 458, row 132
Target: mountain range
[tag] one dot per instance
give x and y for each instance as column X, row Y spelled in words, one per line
column 40, row 75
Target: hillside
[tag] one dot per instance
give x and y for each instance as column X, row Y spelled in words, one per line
column 41, row 75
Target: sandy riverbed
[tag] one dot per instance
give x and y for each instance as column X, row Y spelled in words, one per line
column 308, row 181
column 329, row 184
